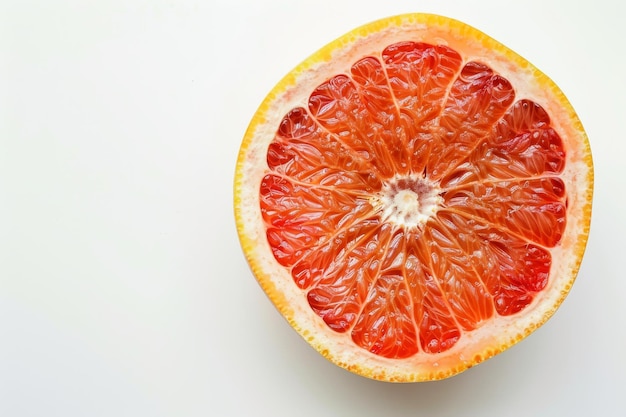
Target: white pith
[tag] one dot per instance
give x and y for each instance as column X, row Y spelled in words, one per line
column 409, row 205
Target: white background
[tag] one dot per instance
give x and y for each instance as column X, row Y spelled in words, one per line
column 123, row 289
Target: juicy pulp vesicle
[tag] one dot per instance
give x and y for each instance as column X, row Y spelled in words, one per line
column 415, row 115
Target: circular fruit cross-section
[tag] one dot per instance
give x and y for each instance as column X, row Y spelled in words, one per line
column 414, row 198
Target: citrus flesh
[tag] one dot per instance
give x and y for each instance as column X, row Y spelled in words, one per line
column 414, row 198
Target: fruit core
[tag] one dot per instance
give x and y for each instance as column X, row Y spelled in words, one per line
column 408, row 201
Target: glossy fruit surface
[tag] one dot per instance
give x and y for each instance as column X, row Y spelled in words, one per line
column 414, row 198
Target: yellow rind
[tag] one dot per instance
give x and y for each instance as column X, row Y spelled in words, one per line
column 461, row 37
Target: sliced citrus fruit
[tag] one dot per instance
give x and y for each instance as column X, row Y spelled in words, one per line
column 414, row 198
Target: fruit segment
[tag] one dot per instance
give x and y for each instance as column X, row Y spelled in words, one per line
column 531, row 208
column 419, row 75
column 476, row 100
column 412, row 199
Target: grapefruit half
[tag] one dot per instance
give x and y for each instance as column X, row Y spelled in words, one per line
column 414, row 198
